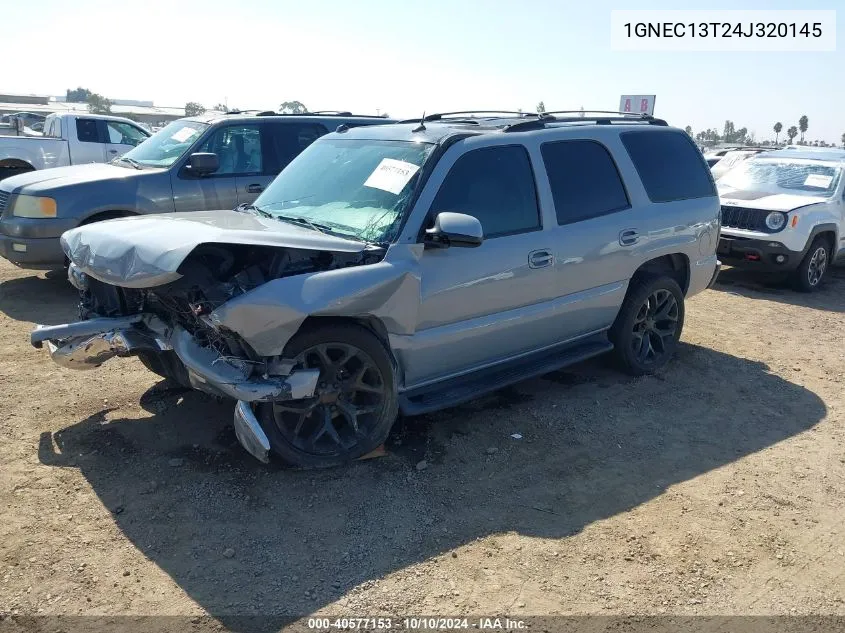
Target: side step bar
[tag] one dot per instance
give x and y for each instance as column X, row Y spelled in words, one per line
column 457, row 391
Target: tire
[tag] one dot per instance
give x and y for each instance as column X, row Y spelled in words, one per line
column 652, row 315
column 810, row 273
column 354, row 406
column 8, row 172
column 167, row 365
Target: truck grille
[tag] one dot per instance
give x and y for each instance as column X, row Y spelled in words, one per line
column 742, row 218
column 4, row 200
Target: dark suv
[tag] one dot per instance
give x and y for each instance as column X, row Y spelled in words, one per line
column 198, row 163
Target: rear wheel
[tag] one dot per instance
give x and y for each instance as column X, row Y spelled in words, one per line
column 353, row 407
column 649, row 324
column 810, row 274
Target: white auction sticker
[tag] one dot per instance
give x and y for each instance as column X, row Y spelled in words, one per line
column 183, row 135
column 391, row 175
column 818, row 180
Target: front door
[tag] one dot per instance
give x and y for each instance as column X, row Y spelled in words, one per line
column 121, row 138
column 238, row 149
column 485, row 304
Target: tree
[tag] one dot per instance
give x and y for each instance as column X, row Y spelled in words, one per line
column 541, row 108
column 777, row 128
column 80, row 95
column 843, row 139
column 292, row 107
column 792, row 132
column 192, row 108
column 98, row 104
column 803, row 123
column 220, row 107
column 688, row 130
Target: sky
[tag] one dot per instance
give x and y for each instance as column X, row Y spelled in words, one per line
column 407, row 57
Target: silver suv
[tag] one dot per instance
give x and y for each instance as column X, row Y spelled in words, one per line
column 406, row 267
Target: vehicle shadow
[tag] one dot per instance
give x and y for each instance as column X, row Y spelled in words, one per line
column 48, row 298
column 829, row 297
column 242, row 539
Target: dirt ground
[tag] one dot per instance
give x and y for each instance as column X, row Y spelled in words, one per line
column 714, row 488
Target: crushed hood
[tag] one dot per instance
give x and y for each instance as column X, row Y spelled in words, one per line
column 43, row 181
column 766, row 201
column 146, row 251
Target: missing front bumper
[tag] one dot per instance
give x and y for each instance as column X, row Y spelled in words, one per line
column 88, row 344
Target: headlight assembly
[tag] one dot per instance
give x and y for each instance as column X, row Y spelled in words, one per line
column 776, row 220
column 34, row 207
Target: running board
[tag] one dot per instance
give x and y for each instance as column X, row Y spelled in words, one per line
column 449, row 393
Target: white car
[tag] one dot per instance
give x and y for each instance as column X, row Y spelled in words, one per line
column 782, row 211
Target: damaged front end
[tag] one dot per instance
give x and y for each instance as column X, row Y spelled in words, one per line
column 172, row 329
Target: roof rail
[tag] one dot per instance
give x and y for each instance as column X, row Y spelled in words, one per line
column 441, row 115
column 582, row 117
column 331, row 112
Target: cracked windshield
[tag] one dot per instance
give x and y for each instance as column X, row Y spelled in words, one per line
column 354, row 188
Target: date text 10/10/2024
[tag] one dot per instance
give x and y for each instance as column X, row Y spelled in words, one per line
column 416, row 624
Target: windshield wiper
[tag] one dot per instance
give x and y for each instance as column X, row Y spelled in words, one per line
column 322, row 228
column 252, row 207
column 131, row 161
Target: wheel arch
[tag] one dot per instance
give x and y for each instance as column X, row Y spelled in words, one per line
column 101, row 216
column 675, row 265
column 367, row 321
column 828, row 230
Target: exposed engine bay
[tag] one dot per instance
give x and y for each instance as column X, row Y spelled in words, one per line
column 210, row 276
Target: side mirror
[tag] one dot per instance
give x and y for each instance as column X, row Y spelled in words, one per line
column 454, row 229
column 202, row 163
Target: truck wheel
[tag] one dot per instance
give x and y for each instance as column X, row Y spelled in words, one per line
column 810, row 273
column 648, row 326
column 353, row 408
column 167, row 365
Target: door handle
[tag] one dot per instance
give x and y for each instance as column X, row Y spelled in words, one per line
column 254, row 188
column 540, row 259
column 628, row 237
column 112, row 151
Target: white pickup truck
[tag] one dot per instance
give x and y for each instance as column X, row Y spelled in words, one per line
column 70, row 139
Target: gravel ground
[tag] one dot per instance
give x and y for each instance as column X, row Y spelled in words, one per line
column 714, row 488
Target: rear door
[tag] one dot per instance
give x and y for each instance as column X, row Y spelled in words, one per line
column 89, row 146
column 121, row 138
column 280, row 143
column 597, row 233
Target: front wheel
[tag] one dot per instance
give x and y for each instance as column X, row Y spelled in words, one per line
column 810, row 274
column 353, row 407
column 648, row 326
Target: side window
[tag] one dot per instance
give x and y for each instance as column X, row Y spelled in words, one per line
column 86, row 131
column 124, row 134
column 669, row 165
column 238, row 148
column 584, row 180
column 495, row 185
column 288, row 139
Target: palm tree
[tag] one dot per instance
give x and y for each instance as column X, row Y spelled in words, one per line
column 792, row 132
column 777, row 128
column 803, row 123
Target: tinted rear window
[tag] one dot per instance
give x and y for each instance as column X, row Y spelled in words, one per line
column 669, row 165
column 584, row 180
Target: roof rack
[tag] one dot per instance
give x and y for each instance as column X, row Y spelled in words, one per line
column 460, row 113
column 583, row 117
